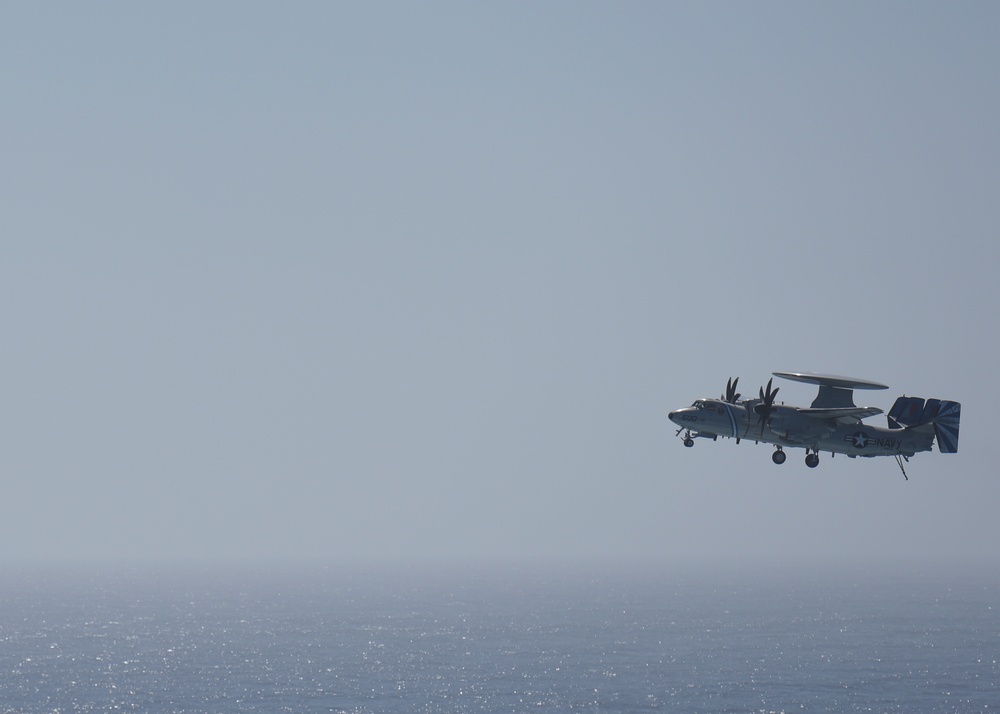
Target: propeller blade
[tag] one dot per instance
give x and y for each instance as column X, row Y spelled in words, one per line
column 731, row 395
column 763, row 410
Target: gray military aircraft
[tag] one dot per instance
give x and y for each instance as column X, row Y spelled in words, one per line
column 831, row 423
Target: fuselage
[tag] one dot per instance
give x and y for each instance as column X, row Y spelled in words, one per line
column 788, row 426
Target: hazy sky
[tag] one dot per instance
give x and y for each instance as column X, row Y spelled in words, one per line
column 422, row 280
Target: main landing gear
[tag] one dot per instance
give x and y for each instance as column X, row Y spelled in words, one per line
column 779, row 456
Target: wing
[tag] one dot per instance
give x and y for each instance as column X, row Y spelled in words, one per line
column 844, row 415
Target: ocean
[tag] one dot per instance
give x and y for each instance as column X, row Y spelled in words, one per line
column 499, row 639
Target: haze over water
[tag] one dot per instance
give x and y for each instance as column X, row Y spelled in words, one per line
column 492, row 640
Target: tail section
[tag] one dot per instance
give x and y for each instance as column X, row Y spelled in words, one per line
column 942, row 414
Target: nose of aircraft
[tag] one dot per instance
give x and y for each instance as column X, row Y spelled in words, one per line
column 674, row 416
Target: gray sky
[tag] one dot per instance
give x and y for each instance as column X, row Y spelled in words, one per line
column 371, row 281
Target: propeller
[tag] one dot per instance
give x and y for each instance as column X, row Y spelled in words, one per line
column 763, row 410
column 731, row 395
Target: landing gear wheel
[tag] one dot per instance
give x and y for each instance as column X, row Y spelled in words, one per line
column 812, row 460
column 689, row 442
column 778, row 457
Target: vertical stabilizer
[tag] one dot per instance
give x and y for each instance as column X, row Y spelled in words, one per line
column 907, row 410
column 946, row 426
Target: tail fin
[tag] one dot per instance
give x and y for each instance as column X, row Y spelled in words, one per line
column 942, row 414
column 907, row 410
column 946, row 426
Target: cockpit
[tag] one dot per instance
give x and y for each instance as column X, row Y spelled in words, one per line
column 703, row 412
column 708, row 405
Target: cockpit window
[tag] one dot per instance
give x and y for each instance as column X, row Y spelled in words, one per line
column 707, row 404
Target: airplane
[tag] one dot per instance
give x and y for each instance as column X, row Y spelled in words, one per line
column 831, row 423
